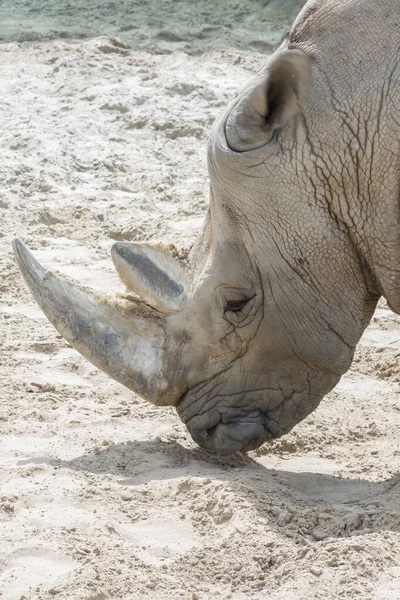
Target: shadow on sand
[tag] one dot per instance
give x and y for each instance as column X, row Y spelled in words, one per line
column 139, row 462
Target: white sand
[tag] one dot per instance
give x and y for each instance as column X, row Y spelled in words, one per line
column 103, row 496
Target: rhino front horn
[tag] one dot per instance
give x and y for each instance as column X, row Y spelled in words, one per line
column 123, row 344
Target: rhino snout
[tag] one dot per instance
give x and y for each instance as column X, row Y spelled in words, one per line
column 238, row 432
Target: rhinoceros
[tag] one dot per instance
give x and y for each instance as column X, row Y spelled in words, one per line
column 301, row 238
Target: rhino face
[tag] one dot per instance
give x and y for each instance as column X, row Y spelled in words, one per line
column 246, row 339
column 254, row 367
column 255, row 387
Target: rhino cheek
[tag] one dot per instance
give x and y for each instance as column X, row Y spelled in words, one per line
column 299, row 405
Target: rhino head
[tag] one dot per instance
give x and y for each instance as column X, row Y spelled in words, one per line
column 248, row 335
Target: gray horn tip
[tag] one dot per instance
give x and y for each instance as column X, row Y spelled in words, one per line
column 21, row 251
column 26, row 261
column 17, row 245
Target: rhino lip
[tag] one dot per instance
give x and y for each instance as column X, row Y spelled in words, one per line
column 231, row 431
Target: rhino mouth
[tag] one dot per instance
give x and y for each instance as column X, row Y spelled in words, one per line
column 226, row 423
column 226, row 431
column 229, row 432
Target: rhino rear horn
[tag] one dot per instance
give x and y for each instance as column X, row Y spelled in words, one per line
column 151, row 273
column 271, row 101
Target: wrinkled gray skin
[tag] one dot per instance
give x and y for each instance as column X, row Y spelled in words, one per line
column 302, row 233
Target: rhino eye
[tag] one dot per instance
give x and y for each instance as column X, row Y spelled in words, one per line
column 235, row 305
column 241, row 311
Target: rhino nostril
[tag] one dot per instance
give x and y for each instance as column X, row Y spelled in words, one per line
column 212, row 430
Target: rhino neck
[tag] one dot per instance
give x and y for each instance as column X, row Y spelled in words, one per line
column 352, row 123
column 356, row 174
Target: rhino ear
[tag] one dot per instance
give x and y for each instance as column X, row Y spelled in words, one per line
column 152, row 274
column 273, row 100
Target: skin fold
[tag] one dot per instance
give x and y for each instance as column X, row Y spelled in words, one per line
column 301, row 238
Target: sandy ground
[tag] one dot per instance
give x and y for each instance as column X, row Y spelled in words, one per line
column 103, row 496
column 159, row 26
